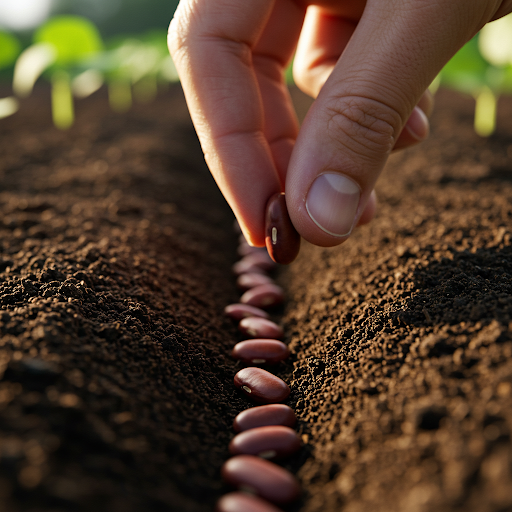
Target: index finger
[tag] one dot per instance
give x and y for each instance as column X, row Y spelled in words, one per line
column 211, row 44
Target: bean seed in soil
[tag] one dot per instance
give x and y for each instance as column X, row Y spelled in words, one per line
column 244, row 267
column 258, row 327
column 281, row 237
column 262, row 259
column 244, row 502
column 263, row 415
column 261, row 386
column 263, row 296
column 250, row 280
column 260, row 351
column 272, row 442
column 265, row 478
column 241, row 311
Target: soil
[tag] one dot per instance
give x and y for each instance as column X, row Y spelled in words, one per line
column 117, row 393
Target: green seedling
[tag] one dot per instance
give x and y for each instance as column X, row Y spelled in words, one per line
column 10, row 48
column 483, row 69
column 60, row 46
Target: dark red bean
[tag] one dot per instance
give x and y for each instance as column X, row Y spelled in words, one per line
column 263, row 415
column 260, row 351
column 244, row 267
column 263, row 296
column 265, row 478
column 258, row 327
column 261, row 386
column 281, row 237
column 241, row 311
column 272, row 442
column 253, row 262
column 251, row 279
column 243, row 502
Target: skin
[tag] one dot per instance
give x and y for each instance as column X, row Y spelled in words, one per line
column 367, row 63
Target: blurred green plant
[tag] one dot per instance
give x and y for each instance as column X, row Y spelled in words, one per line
column 10, row 48
column 483, row 69
column 70, row 52
column 60, row 45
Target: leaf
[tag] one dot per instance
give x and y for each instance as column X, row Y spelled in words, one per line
column 495, row 41
column 30, row 65
column 74, row 38
column 10, row 48
column 466, row 70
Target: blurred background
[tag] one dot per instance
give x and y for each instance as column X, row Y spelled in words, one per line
column 81, row 45
column 112, row 17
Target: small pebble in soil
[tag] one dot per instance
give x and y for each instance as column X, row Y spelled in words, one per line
column 258, row 327
column 241, row 311
column 271, row 442
column 261, row 386
column 263, row 415
column 261, row 476
column 281, row 237
column 244, row 502
column 260, row 351
column 263, row 296
column 250, row 280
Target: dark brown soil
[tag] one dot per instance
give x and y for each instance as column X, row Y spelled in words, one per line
column 117, row 392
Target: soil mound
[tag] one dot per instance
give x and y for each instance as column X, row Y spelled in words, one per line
column 115, row 265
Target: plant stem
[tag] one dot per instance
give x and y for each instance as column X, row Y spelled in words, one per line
column 485, row 112
column 120, row 95
column 62, row 100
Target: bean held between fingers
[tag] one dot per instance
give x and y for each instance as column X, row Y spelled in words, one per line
column 250, row 280
column 263, row 415
column 258, row 327
column 272, row 442
column 260, row 351
column 241, row 311
column 265, row 478
column 281, row 237
column 243, row 502
column 263, row 296
column 261, row 386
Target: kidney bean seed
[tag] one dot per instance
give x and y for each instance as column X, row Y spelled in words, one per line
column 267, row 479
column 263, row 296
column 258, row 327
column 262, row 386
column 263, row 415
column 269, row 442
column 241, row 311
column 260, row 351
column 244, row 267
column 251, row 279
column 281, row 237
column 243, row 502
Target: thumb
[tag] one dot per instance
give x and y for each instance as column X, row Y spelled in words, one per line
column 395, row 52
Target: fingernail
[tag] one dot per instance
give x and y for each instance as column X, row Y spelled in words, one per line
column 417, row 124
column 332, row 203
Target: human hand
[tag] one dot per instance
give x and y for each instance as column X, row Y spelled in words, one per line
column 368, row 63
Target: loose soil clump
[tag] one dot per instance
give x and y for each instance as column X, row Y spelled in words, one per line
column 117, row 382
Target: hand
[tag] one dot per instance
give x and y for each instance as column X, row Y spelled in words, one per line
column 368, row 63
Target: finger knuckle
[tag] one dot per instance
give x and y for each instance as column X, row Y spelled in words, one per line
column 364, row 126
